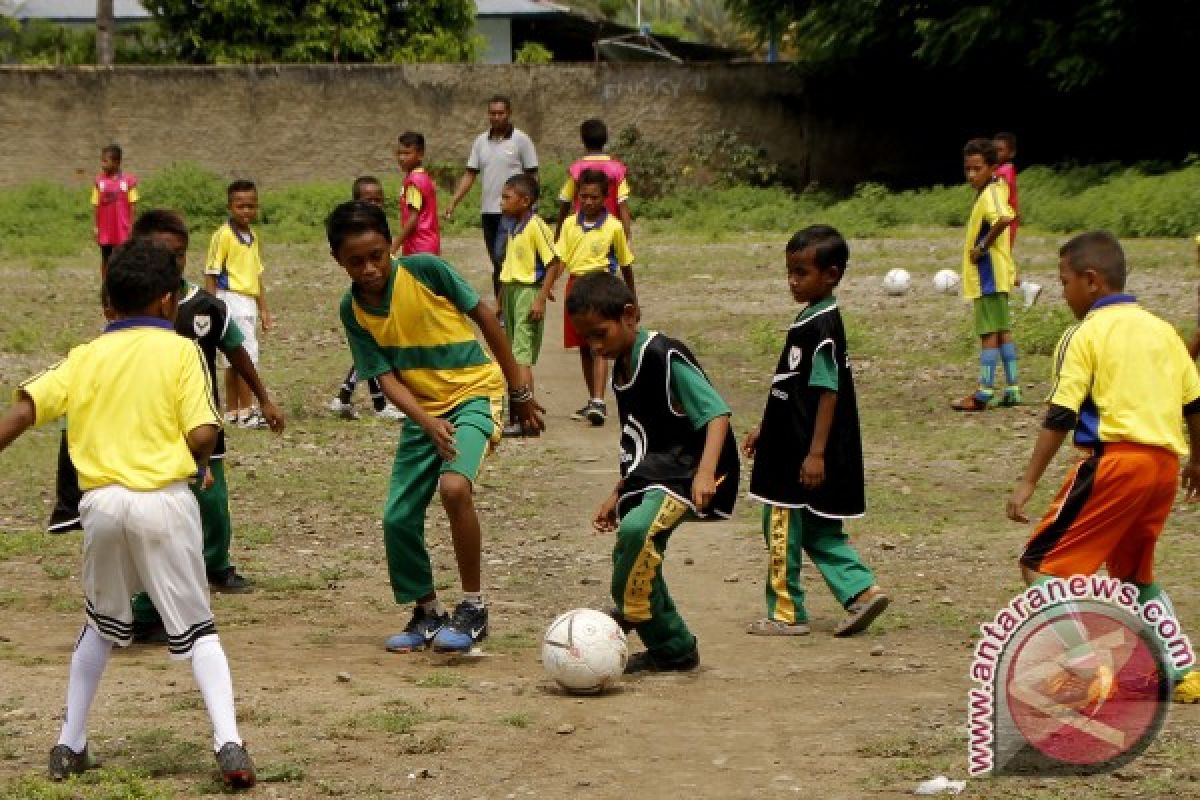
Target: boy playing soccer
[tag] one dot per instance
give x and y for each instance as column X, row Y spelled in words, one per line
column 1122, row 380
column 233, row 272
column 141, row 523
column 530, row 267
column 678, row 462
column 406, row 320
column 592, row 240
column 987, row 277
column 365, row 189
column 115, row 198
column 419, row 231
column 808, row 465
column 1006, row 151
column 594, row 134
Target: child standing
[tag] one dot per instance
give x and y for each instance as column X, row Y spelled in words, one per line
column 233, row 272
column 987, row 277
column 808, row 465
column 594, row 134
column 141, row 523
column 115, row 198
column 530, row 267
column 365, row 189
column 678, row 462
column 1121, row 378
column 592, row 240
column 419, row 231
column 406, row 321
column 1006, row 151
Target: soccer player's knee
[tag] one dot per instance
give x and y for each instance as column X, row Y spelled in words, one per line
column 455, row 490
column 630, row 537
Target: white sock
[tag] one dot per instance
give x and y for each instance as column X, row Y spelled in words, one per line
column 433, row 607
column 474, row 598
column 87, row 667
column 211, row 669
column 597, row 399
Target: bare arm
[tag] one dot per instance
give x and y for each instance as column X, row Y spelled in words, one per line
column 1048, row 442
column 538, row 309
column 704, row 484
column 1191, row 470
column 264, row 316
column 564, row 209
column 464, row 185
column 528, row 411
column 992, row 235
column 812, row 471
column 19, row 418
column 406, row 230
column 627, row 274
column 201, row 441
column 626, row 219
column 439, row 430
column 239, row 359
column 210, row 284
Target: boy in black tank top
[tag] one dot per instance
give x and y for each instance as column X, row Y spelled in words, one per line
column 808, row 462
column 678, row 461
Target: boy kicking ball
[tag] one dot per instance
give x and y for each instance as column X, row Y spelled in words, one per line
column 407, row 323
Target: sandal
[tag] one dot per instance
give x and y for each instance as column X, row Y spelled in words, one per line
column 775, row 627
column 861, row 614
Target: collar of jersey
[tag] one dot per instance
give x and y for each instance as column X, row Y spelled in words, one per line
column 238, row 234
column 820, row 305
column 508, row 135
column 599, row 221
column 138, row 322
column 1112, row 300
column 597, row 157
column 520, row 226
column 386, row 308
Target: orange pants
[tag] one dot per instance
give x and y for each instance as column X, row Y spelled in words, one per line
column 1110, row 511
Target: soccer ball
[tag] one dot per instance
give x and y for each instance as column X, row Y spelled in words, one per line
column 897, row 282
column 584, row 651
column 946, row 281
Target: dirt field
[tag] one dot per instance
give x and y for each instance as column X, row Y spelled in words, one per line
column 809, row 717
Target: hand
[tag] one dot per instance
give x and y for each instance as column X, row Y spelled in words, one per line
column 529, row 414
column 976, row 254
column 704, row 486
column 267, row 321
column 812, row 471
column 750, row 443
column 1191, row 480
column 1020, row 496
column 204, row 482
column 448, row 212
column 537, row 311
column 605, row 520
column 273, row 416
column 441, row 431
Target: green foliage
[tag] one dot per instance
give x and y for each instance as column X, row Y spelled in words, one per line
column 727, row 160
column 43, row 43
column 533, row 53
column 98, row 784
column 648, row 164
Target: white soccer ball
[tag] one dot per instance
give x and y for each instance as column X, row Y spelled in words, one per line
column 897, row 282
column 946, row 281
column 584, row 651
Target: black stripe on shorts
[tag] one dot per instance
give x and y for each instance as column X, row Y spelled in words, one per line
column 1077, row 497
column 182, row 644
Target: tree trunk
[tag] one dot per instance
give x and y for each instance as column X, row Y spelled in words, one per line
column 105, row 23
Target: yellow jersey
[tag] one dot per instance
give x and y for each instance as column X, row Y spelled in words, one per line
column 994, row 273
column 593, row 246
column 236, row 261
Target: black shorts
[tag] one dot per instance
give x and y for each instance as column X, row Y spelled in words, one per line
column 491, row 232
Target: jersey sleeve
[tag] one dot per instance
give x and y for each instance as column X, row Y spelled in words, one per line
column 218, row 252
column 48, row 391
column 442, row 279
column 696, row 396
column 527, row 152
column 96, row 200
column 542, row 240
column 476, row 156
column 413, row 197
column 567, row 194
column 195, row 401
column 369, row 358
column 232, row 337
column 620, row 247
column 622, row 191
column 1074, row 370
column 995, row 202
column 133, row 194
column 1191, row 380
column 824, row 373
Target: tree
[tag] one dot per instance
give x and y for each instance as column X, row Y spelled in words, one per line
column 105, row 22
column 1072, row 44
column 308, row 31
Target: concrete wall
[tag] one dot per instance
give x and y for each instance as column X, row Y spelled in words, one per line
column 283, row 124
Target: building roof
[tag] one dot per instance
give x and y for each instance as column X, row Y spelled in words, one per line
column 516, row 8
column 77, row 10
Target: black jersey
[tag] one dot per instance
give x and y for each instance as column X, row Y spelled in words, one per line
column 789, row 420
column 205, row 319
column 659, row 447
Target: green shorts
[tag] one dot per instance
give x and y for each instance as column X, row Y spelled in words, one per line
column 991, row 314
column 524, row 335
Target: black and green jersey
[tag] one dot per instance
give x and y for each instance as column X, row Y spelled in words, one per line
column 205, row 319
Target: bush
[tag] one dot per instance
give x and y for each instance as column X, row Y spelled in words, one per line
column 533, row 53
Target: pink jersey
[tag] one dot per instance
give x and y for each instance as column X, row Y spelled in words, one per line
column 114, row 196
column 419, row 192
column 611, row 167
column 1008, row 173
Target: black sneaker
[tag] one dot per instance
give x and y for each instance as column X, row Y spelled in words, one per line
column 468, row 625
column 418, row 633
column 65, row 762
column 596, row 412
column 63, row 521
column 154, row 633
column 229, row 581
column 648, row 662
column 237, row 770
column 581, row 412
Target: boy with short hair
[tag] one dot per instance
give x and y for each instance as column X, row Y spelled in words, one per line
column 530, row 267
column 592, row 240
column 1122, row 381
column 233, row 272
column 1006, row 170
column 406, row 320
column 678, row 462
column 419, row 232
column 808, row 464
column 365, row 189
column 987, row 277
column 115, row 198
column 594, row 134
column 141, row 523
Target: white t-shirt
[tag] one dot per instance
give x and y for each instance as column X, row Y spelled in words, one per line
column 497, row 160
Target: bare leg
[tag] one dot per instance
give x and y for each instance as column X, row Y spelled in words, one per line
column 459, row 501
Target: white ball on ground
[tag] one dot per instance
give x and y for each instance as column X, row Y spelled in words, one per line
column 584, row 651
column 897, row 282
column 946, row 281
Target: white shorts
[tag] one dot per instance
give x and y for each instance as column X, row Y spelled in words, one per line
column 243, row 309
column 151, row 542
